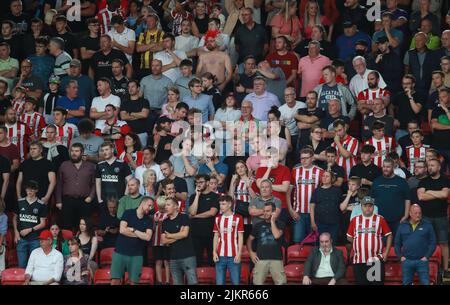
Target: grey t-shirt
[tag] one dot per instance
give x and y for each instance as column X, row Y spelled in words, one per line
column 182, row 84
column 91, row 145
column 179, row 168
column 155, row 90
column 62, row 63
column 259, row 203
column 277, row 86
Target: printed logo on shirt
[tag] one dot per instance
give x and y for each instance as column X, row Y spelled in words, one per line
column 116, row 170
column 110, row 178
column 28, row 218
column 35, row 211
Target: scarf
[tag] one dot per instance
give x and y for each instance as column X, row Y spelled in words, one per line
column 52, row 150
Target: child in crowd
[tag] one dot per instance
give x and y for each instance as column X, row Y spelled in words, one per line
column 217, row 13
column 34, row 120
column 18, row 103
column 48, row 103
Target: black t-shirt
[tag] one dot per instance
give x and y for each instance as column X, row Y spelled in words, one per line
column 267, row 247
column 31, row 83
column 16, row 45
column 101, row 63
column 29, row 215
column 338, row 171
column 305, row 133
column 133, row 246
column 180, row 185
column 247, row 82
column 368, row 172
column 63, row 155
column 119, row 87
column 320, row 147
column 164, row 150
column 5, row 166
column 106, row 220
column 38, row 171
column 113, row 178
column 441, row 138
column 204, row 226
column 405, row 113
column 92, row 44
column 137, row 126
column 202, row 24
column 436, row 207
column 70, row 42
column 182, row 248
column 327, row 202
column 4, row 104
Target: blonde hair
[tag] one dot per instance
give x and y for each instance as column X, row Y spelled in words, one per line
column 146, row 175
column 306, row 18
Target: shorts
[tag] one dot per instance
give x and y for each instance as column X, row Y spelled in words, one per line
column 124, row 263
column 161, row 253
column 440, row 226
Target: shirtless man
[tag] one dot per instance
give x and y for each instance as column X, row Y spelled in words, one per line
column 216, row 62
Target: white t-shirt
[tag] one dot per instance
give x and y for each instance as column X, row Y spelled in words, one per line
column 287, row 116
column 123, row 39
column 186, row 44
column 99, row 103
column 166, row 59
column 43, row 267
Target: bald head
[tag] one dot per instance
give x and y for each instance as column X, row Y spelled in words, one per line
column 415, row 213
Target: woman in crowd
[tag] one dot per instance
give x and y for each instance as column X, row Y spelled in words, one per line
column 76, row 265
column 173, row 98
column 313, row 17
column 88, row 241
column 319, row 146
column 276, row 132
column 149, row 178
column 132, row 155
column 59, row 243
column 317, row 33
column 133, row 14
column 286, row 23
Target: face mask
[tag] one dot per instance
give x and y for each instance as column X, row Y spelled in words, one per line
column 360, row 52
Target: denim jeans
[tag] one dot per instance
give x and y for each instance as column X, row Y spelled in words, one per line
column 24, row 249
column 410, row 267
column 185, row 266
column 301, row 228
column 333, row 229
column 222, row 265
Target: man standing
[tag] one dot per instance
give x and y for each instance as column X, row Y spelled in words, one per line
column 391, row 194
column 8, row 66
column 346, row 147
column 181, row 189
column 389, row 64
column 203, row 208
column 113, row 129
column 383, row 144
column 119, row 82
column 433, row 192
column 367, row 96
column 304, row 180
column 97, row 111
column 131, row 200
column 366, row 233
column 415, row 243
column 256, row 206
column 62, row 58
column 29, row 219
column 65, row 132
column 268, row 256
column 135, row 111
column 285, row 59
column 148, row 162
column 75, row 189
column 53, row 151
column 359, row 82
column 136, row 230
column 123, row 38
column 170, row 58
column 261, row 99
column 366, row 170
column 199, row 100
column 70, row 42
column 89, row 140
column 74, row 105
column 149, row 42
column 112, row 174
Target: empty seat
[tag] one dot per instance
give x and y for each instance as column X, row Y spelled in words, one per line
column 102, row 277
column 298, row 254
column 13, row 276
column 106, row 257
column 67, row 234
column 147, row 277
column 294, row 273
column 206, row 275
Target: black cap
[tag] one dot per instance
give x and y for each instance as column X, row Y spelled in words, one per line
column 361, row 42
column 382, row 39
column 348, row 24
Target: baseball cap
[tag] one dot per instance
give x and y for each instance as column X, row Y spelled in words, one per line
column 382, row 39
column 46, row 234
column 348, row 24
column 368, row 200
column 54, row 79
column 75, row 62
column 361, row 42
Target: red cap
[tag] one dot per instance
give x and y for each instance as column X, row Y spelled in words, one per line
column 46, row 234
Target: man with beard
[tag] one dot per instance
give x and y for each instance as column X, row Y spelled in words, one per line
column 359, row 82
column 18, row 133
column 131, row 200
column 433, row 193
column 367, row 96
column 170, row 58
column 420, row 173
column 215, row 61
column 113, row 129
column 75, row 189
column 53, row 151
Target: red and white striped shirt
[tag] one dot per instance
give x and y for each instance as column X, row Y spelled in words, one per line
column 65, row 134
column 242, row 193
column 350, row 144
column 137, row 157
column 305, row 181
column 35, row 121
column 367, row 234
column 369, row 95
column 19, row 135
column 158, row 219
column 18, row 106
column 382, row 148
column 104, row 18
column 414, row 154
column 228, row 228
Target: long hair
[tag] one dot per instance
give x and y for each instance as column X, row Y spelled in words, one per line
column 246, row 168
column 89, row 227
column 306, row 17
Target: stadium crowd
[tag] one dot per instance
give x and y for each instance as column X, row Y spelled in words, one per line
column 206, row 141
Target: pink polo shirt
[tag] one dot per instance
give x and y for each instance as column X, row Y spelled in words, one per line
column 311, row 72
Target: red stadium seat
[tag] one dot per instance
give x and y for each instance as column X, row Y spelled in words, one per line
column 344, row 252
column 67, row 234
column 10, row 244
column 350, row 276
column 13, row 276
column 150, row 259
column 206, row 275
column 437, row 256
column 426, row 129
column 245, row 256
column 393, row 273
column 294, row 273
column 298, row 254
column 106, row 257
column 102, row 277
column 244, row 275
column 147, row 277
column 11, row 258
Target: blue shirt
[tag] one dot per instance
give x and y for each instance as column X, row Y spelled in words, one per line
column 415, row 244
column 69, row 104
column 132, row 246
column 42, row 67
column 203, row 102
column 86, row 89
column 346, row 44
column 390, row 195
column 220, row 167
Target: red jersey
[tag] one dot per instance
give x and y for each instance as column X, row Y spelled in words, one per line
column 158, row 219
column 368, row 95
column 35, row 121
column 19, row 135
column 104, row 18
column 64, row 134
column 18, row 106
column 382, row 148
column 339, row 80
column 228, row 228
column 277, row 175
column 137, row 157
column 414, row 154
column 305, row 181
column 242, row 193
column 367, row 234
column 351, row 144
column 106, row 130
column 287, row 62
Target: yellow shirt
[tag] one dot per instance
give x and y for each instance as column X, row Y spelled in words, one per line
column 148, row 37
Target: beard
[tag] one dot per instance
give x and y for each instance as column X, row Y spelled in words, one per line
column 372, row 86
column 210, row 47
column 75, row 159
